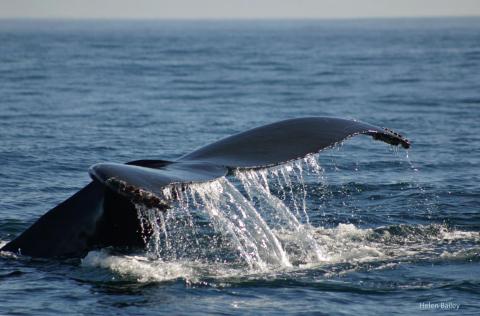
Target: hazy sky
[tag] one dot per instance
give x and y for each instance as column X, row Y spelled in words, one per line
column 201, row 9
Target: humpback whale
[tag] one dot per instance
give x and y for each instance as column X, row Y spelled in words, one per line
column 103, row 213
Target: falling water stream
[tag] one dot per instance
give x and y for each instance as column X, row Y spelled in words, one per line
column 245, row 214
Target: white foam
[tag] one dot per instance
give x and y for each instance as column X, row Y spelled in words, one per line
column 140, row 268
column 452, row 235
column 143, row 269
column 344, row 243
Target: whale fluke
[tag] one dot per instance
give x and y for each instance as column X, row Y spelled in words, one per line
column 103, row 213
column 287, row 140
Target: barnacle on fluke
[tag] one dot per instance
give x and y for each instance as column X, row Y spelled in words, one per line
column 137, row 195
column 391, row 138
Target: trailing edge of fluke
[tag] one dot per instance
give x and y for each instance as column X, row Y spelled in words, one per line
column 103, row 213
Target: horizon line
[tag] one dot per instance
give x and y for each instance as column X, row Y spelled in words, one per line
column 286, row 18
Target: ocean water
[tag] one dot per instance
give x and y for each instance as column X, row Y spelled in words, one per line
column 358, row 229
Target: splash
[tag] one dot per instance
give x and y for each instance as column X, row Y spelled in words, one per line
column 257, row 223
column 347, row 248
column 301, row 246
column 235, row 218
column 241, row 220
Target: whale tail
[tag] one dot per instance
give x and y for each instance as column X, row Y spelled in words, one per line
column 103, row 212
column 261, row 147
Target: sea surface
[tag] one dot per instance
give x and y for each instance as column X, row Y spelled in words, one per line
column 360, row 229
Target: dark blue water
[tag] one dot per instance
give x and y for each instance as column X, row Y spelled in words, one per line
column 400, row 233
